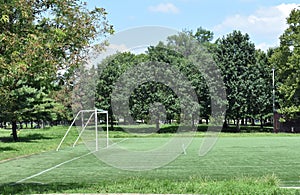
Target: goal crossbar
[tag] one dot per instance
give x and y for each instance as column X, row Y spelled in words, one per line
column 94, row 112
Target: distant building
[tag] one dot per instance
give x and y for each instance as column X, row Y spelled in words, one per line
column 290, row 126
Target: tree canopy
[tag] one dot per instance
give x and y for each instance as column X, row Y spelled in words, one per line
column 45, row 44
column 286, row 61
column 235, row 55
column 41, row 43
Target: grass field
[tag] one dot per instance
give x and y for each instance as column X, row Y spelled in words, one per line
column 256, row 163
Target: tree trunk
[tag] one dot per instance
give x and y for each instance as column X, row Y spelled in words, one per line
column 242, row 121
column 261, row 122
column 111, row 122
column 111, row 118
column 206, row 120
column 252, row 121
column 157, row 125
column 14, row 131
column 225, row 124
column 193, row 122
column 200, row 121
column 238, row 128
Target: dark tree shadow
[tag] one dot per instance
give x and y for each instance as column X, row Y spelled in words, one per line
column 33, row 137
column 2, row 149
column 37, row 188
column 26, row 138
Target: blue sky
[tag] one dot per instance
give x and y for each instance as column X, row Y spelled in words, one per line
column 263, row 20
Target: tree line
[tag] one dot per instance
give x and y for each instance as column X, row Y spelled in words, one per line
column 41, row 55
column 246, row 73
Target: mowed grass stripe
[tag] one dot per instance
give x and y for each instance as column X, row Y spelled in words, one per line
column 251, row 162
column 230, row 158
column 51, row 168
column 14, row 170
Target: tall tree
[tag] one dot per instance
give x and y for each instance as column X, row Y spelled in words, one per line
column 286, row 60
column 187, row 44
column 37, row 40
column 235, row 54
column 259, row 98
column 110, row 69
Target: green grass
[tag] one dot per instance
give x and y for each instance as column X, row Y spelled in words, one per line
column 265, row 185
column 250, row 163
column 32, row 141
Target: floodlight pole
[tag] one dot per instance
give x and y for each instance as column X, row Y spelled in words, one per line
column 273, row 96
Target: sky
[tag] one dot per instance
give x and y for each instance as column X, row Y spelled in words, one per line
column 263, row 20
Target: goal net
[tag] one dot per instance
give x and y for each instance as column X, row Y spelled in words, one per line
column 92, row 127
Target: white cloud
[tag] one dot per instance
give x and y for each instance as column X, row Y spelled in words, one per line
column 164, row 8
column 117, row 48
column 265, row 23
column 264, row 46
column 287, row 8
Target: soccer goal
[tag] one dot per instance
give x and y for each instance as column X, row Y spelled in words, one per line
column 87, row 122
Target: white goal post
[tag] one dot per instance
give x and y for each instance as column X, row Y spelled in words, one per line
column 94, row 113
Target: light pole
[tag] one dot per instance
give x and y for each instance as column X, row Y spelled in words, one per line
column 273, row 97
column 273, row 85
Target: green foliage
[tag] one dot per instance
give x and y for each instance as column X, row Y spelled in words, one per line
column 259, row 96
column 38, row 40
column 193, row 48
column 203, row 36
column 170, row 94
column 177, row 54
column 83, row 91
column 109, row 72
column 235, row 56
column 286, row 60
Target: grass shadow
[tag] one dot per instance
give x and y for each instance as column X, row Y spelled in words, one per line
column 3, row 149
column 37, row 188
column 33, row 137
column 26, row 138
column 268, row 184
